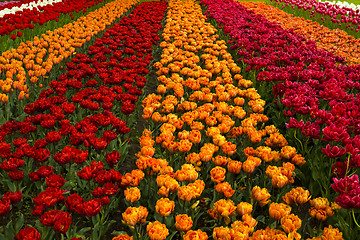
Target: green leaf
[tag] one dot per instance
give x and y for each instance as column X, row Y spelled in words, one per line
column 84, row 230
column 311, row 231
column 19, row 223
column 273, row 224
column 197, row 216
column 117, row 233
column 314, row 188
column 9, row 226
column 300, row 175
column 261, row 219
column 11, row 186
column 169, row 221
column 172, row 235
column 314, row 173
column 95, row 234
column 158, row 217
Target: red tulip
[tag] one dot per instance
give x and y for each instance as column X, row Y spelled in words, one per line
column 28, row 233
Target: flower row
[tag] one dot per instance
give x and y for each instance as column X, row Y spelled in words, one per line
column 319, row 97
column 68, row 150
column 310, row 85
column 21, row 20
column 208, row 151
column 36, row 58
column 11, row 4
column 23, row 6
column 336, row 41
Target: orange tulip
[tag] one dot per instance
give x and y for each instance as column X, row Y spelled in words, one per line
column 298, row 160
column 198, row 235
column 224, row 188
column 331, row 233
column 184, row 145
column 220, row 233
column 234, row 166
column 132, row 194
column 288, row 152
column 260, row 195
column 278, row 210
column 164, row 206
column 217, row 174
column 279, row 180
column 122, row 237
column 228, row 148
column 320, row 209
column 157, row 231
column 183, row 222
column 134, row 215
column 225, row 208
column 290, row 223
column 297, row 195
column 276, row 140
column 244, row 208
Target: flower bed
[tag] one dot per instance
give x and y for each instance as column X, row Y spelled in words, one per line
column 336, row 41
column 215, row 160
column 308, row 82
column 12, row 23
column 208, row 152
column 325, row 12
column 65, row 157
column 11, row 4
column 24, row 6
column 33, row 60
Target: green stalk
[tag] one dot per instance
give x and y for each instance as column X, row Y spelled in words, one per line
column 353, row 215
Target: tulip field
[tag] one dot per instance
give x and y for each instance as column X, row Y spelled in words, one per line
column 179, row 119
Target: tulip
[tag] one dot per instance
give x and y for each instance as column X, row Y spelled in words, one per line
column 297, row 195
column 132, row 194
column 122, row 237
column 157, row 231
column 133, row 215
column 191, row 234
column 225, row 208
column 221, row 233
column 164, row 207
column 278, row 210
column 183, row 222
column 28, row 233
column 224, row 188
column 260, row 195
column 244, row 208
column 217, row 174
column 290, row 223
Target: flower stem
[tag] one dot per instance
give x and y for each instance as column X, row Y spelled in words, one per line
column 136, row 233
column 302, row 147
column 347, row 165
column 353, row 215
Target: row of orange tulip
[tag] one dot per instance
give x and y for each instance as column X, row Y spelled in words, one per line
column 33, row 59
column 336, row 41
column 208, row 119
